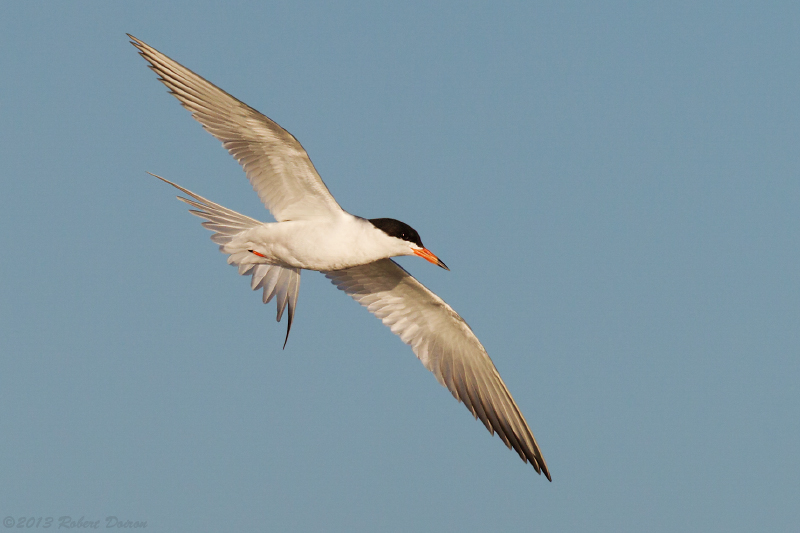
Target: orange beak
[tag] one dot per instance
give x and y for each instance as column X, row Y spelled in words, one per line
column 428, row 256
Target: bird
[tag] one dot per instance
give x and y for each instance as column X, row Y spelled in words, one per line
column 312, row 232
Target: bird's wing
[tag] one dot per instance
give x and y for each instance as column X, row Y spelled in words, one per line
column 275, row 163
column 446, row 346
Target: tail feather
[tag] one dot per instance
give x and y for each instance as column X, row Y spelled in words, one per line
column 280, row 283
column 275, row 280
column 259, row 271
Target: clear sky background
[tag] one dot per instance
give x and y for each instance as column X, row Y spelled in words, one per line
column 615, row 186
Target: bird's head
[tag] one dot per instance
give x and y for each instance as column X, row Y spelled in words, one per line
column 410, row 243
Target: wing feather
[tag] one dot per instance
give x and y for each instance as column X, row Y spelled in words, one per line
column 277, row 166
column 446, row 346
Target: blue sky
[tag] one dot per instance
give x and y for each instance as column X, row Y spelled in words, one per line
column 615, row 186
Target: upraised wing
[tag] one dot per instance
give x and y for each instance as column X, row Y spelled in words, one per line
column 446, row 346
column 275, row 163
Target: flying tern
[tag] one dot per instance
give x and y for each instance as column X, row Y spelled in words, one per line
column 312, row 232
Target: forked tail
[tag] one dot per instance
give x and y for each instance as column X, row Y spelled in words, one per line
column 276, row 281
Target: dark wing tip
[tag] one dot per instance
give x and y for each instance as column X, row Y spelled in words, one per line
column 138, row 43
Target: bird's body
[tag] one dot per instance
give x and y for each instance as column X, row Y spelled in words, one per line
column 312, row 232
column 322, row 244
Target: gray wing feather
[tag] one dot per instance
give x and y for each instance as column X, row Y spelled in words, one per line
column 277, row 166
column 446, row 346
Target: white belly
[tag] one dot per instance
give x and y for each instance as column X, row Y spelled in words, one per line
column 327, row 244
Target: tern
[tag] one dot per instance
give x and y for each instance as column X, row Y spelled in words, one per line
column 312, row 232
